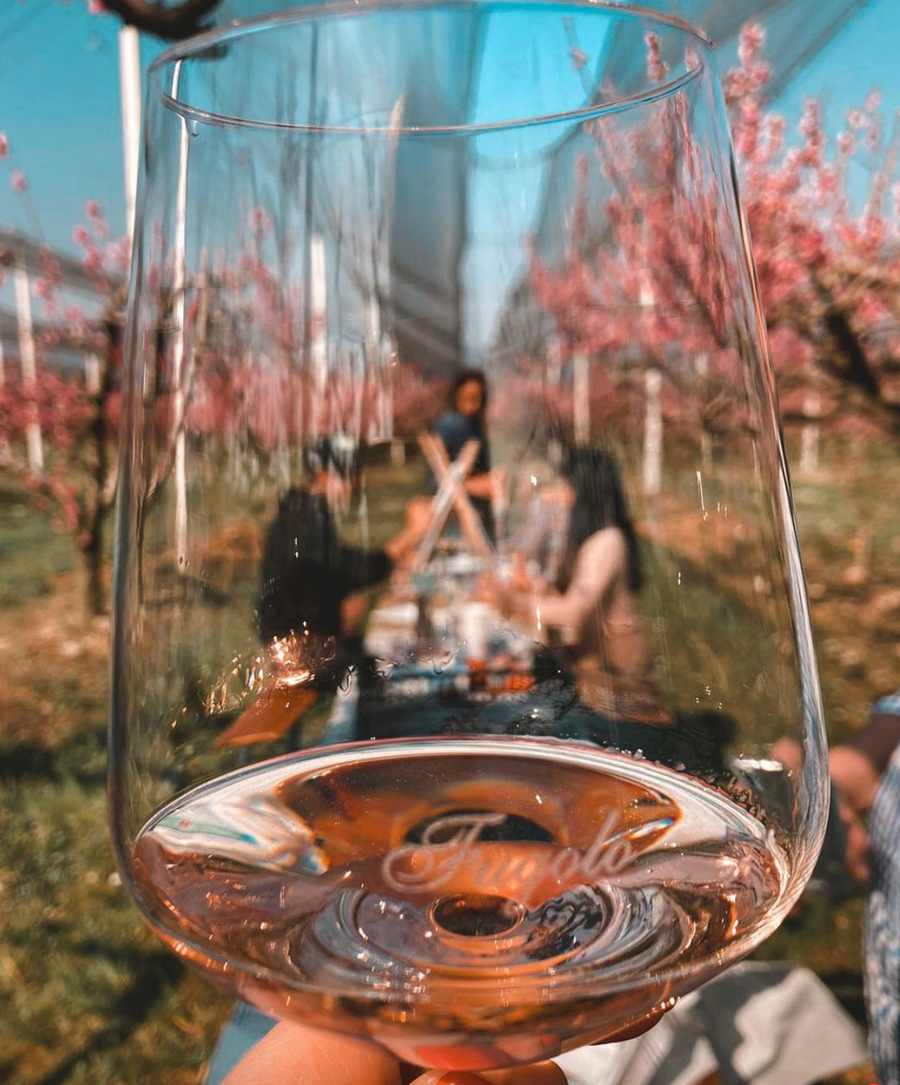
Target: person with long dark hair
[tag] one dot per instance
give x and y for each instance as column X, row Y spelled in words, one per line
column 590, row 611
column 308, row 571
column 465, row 421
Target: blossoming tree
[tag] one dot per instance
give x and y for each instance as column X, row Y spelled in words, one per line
column 74, row 413
column 828, row 262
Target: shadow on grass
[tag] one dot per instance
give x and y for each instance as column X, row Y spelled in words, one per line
column 79, row 756
column 153, row 976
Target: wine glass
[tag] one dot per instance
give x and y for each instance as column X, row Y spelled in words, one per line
column 464, row 692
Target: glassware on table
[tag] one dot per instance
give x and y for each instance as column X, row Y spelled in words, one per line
column 473, row 869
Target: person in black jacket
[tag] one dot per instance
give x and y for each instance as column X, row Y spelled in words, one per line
column 309, row 573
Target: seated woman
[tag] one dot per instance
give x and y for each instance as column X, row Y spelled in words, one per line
column 463, row 422
column 590, row 611
column 595, row 639
column 308, row 608
column 310, row 574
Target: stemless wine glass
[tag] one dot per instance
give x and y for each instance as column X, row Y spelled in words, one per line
column 464, row 692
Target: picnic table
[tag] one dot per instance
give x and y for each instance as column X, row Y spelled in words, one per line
column 438, row 655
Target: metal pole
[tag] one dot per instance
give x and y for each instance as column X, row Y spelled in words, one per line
column 130, row 92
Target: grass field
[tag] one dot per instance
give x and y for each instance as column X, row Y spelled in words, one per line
column 88, row 994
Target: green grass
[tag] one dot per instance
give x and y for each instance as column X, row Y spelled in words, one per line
column 31, row 555
column 88, row 994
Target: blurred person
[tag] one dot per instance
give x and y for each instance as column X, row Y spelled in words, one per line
column 309, row 572
column 462, row 422
column 866, row 773
column 595, row 642
column 309, row 608
column 590, row 610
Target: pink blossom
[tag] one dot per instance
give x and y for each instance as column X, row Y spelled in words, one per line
column 775, row 128
column 811, row 121
column 260, row 221
column 93, row 262
column 18, row 182
column 747, row 132
column 49, row 266
column 579, row 59
column 758, row 75
column 81, row 235
column 752, row 39
column 656, row 69
column 93, row 209
column 873, row 101
column 828, row 182
column 95, row 7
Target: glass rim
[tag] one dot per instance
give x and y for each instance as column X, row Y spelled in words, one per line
column 196, row 46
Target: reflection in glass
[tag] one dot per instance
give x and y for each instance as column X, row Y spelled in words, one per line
column 464, row 691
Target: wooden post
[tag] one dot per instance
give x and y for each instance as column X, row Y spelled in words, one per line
column 809, row 436
column 377, row 372
column 705, row 440
column 554, row 361
column 4, row 443
column 34, row 443
column 581, row 408
column 92, row 374
column 318, row 296
column 653, row 432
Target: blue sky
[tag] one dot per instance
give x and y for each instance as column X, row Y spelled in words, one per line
column 59, row 106
column 59, row 102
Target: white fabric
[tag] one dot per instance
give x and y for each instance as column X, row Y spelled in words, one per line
column 795, row 1031
column 675, row 1040
column 757, row 1024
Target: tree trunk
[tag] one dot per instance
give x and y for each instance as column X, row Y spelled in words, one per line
column 92, row 556
column 97, row 506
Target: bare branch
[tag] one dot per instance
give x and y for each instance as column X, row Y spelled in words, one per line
column 169, row 23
